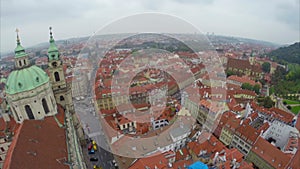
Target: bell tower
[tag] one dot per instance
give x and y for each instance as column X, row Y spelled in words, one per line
column 61, row 89
column 21, row 57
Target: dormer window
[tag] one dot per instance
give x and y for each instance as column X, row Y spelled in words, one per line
column 20, row 85
column 37, row 79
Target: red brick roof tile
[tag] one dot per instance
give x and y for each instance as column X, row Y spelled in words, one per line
column 270, row 154
column 38, row 144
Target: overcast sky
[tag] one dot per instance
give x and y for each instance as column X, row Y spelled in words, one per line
column 270, row 20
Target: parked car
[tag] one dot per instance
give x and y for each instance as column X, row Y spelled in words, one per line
column 93, row 159
column 90, row 146
column 96, row 167
column 92, row 151
column 95, row 147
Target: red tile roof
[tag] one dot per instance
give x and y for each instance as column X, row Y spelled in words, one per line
column 11, row 126
column 283, row 114
column 270, row 154
column 245, row 165
column 243, row 79
column 234, row 154
column 182, row 154
column 233, row 123
column 247, row 133
column 243, row 64
column 295, row 161
column 206, row 142
column 38, row 144
column 223, row 120
column 181, row 164
column 158, row 160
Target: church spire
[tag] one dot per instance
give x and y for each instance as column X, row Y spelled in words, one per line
column 19, row 50
column 51, row 36
column 53, row 53
column 18, row 38
column 21, row 57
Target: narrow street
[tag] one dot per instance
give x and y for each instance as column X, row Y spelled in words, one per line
column 93, row 130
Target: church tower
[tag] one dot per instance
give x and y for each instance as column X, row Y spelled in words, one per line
column 62, row 90
column 28, row 89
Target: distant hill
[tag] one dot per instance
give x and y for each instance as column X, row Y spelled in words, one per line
column 289, row 54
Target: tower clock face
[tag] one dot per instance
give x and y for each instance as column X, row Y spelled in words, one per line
column 54, row 64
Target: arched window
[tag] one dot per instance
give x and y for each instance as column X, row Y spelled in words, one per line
column 29, row 112
column 24, row 62
column 61, row 98
column 56, row 76
column 20, row 63
column 45, row 106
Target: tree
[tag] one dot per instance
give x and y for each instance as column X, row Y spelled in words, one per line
column 266, row 67
column 256, row 88
column 268, row 103
column 247, row 86
column 229, row 73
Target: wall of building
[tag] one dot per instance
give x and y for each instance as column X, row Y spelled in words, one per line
column 258, row 161
column 280, row 132
column 33, row 98
column 226, row 136
column 241, row 144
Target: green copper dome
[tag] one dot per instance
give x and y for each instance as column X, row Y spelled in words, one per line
column 25, row 79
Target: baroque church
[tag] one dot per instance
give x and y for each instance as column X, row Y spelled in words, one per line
column 41, row 105
column 31, row 93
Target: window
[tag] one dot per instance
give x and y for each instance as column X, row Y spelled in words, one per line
column 2, row 149
column 56, row 76
column 45, row 106
column 29, row 112
column 61, row 98
column 20, row 63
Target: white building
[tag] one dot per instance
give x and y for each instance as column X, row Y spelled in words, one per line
column 279, row 132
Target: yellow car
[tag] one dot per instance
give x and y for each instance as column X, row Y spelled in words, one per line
column 95, row 147
column 96, row 167
column 94, row 142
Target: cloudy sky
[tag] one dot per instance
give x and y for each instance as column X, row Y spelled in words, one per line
column 270, row 20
